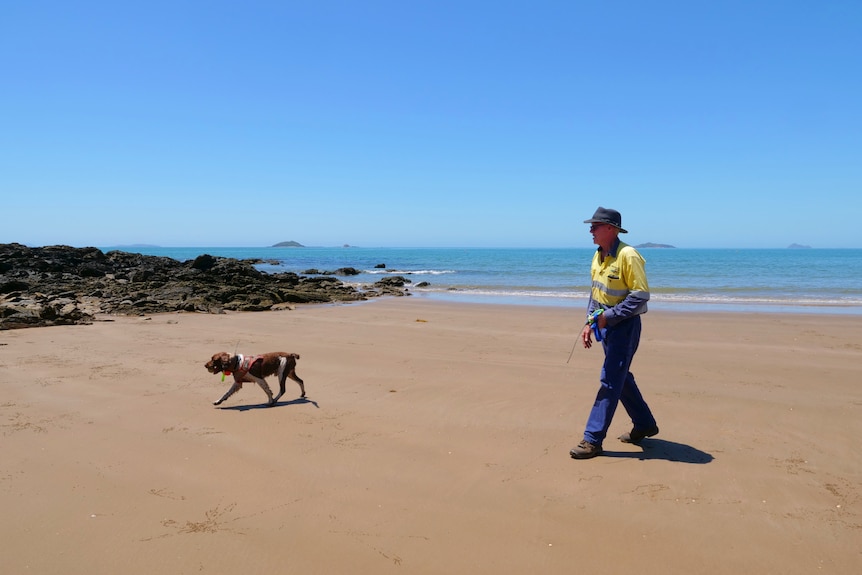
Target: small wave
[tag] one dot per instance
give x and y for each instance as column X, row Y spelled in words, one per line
column 673, row 299
column 756, row 300
column 409, row 272
column 490, row 292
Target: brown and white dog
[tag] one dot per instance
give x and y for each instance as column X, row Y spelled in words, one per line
column 254, row 368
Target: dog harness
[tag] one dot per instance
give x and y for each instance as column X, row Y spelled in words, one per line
column 243, row 366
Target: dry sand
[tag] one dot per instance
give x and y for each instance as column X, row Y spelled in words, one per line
column 435, row 439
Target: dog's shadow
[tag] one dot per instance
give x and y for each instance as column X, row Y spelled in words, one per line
column 297, row 401
column 665, row 450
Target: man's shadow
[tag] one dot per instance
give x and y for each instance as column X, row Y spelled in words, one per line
column 666, row 450
column 297, row 401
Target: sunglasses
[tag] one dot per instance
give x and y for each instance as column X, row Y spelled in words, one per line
column 594, row 227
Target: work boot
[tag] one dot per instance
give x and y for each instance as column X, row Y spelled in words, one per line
column 585, row 450
column 636, row 435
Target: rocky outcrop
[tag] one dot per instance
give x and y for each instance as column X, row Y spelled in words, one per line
column 61, row 285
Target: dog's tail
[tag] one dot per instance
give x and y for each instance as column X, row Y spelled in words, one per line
column 295, row 355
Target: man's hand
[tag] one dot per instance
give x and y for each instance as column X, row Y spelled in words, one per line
column 602, row 321
column 587, row 336
column 596, row 321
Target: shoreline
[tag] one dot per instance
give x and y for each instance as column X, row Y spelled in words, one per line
column 670, row 306
column 434, row 438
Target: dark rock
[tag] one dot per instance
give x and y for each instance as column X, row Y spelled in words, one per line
column 204, row 262
column 9, row 286
column 61, row 285
column 392, row 285
column 90, row 271
column 338, row 272
column 396, row 281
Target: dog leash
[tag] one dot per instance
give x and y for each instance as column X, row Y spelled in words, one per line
column 592, row 320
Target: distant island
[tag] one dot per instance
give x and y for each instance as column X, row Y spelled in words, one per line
column 290, row 244
column 798, row 247
column 652, row 245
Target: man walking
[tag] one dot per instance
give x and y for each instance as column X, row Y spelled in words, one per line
column 618, row 297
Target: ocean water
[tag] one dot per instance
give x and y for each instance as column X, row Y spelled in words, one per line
column 761, row 280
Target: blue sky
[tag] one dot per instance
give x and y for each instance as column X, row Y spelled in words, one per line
column 430, row 123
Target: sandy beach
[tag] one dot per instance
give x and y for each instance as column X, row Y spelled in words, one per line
column 434, row 439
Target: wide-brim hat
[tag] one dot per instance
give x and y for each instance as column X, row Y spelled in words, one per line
column 607, row 216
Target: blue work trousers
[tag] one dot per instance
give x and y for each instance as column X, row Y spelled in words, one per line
column 620, row 343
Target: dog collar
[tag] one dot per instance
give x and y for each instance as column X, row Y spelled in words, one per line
column 239, row 359
column 230, row 371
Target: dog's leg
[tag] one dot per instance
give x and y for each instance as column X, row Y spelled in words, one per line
column 237, row 385
column 265, row 387
column 282, row 364
column 284, row 372
column 292, row 375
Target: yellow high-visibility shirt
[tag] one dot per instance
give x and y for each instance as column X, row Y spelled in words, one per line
column 618, row 277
